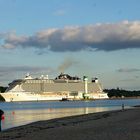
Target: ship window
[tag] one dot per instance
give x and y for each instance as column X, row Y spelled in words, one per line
column 74, row 94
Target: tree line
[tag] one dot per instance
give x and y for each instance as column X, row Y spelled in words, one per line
column 119, row 93
column 2, row 90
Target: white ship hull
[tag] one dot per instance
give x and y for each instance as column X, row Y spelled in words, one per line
column 23, row 96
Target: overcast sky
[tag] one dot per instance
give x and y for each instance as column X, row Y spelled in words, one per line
column 97, row 38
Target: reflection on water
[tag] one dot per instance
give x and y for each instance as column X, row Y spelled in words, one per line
column 21, row 117
column 20, row 113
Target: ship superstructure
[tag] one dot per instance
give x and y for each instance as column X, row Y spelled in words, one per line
column 62, row 87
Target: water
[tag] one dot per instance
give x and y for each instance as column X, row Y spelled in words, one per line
column 21, row 113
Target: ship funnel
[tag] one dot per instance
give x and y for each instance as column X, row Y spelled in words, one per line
column 94, row 80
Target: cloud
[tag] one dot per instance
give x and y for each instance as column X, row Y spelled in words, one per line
column 7, row 70
column 101, row 36
column 128, row 70
column 59, row 13
column 9, row 73
column 136, row 77
column 132, row 79
column 128, row 80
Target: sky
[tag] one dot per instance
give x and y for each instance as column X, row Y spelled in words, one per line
column 96, row 38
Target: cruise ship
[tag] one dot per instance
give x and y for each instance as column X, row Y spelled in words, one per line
column 63, row 87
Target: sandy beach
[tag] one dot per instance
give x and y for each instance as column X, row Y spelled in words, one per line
column 111, row 125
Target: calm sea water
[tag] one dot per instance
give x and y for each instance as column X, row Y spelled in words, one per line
column 21, row 113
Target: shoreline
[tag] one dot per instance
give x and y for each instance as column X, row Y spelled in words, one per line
column 112, row 98
column 118, row 124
